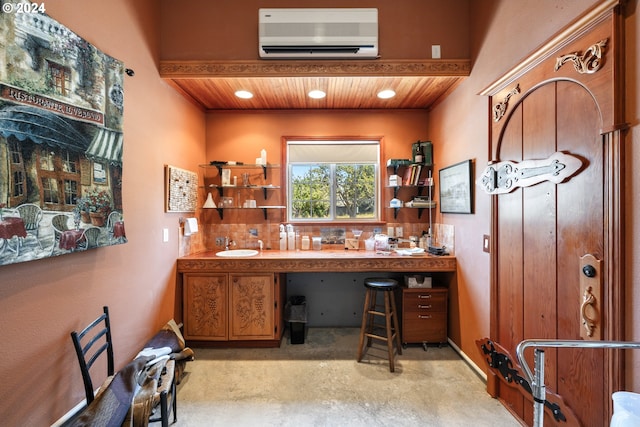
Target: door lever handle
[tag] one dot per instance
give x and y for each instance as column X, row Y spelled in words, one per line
column 590, row 297
column 588, row 300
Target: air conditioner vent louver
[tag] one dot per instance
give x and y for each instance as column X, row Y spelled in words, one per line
column 318, row 33
column 311, row 50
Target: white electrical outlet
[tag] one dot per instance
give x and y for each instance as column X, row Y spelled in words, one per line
column 399, row 232
column 435, row 51
column 390, row 232
column 165, row 235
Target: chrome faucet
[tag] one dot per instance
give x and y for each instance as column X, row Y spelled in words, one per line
column 228, row 243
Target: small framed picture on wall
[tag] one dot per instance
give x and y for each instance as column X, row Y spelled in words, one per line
column 456, row 189
column 181, row 189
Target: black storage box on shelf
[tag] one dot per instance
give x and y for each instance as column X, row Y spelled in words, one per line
column 295, row 312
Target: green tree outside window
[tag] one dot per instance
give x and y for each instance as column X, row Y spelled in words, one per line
column 330, row 191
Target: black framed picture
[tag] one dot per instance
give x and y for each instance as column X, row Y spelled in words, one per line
column 456, row 189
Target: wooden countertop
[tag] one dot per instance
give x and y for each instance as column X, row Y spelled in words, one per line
column 316, row 261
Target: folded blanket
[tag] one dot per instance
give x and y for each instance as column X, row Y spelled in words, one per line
column 171, row 337
column 154, row 352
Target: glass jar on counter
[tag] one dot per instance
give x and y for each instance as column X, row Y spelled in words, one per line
column 306, row 243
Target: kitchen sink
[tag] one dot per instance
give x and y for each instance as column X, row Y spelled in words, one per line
column 234, row 253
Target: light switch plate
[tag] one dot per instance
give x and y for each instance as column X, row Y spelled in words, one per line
column 165, row 235
column 435, row 51
column 485, row 243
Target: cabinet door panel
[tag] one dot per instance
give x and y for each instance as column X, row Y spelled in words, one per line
column 251, row 305
column 205, row 297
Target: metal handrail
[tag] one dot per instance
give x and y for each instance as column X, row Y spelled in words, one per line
column 538, row 388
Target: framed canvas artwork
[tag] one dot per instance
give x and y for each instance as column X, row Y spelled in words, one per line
column 456, row 189
column 61, row 139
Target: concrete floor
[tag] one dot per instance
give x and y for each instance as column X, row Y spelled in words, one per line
column 319, row 383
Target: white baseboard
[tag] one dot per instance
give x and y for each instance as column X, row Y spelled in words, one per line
column 469, row 362
column 69, row 415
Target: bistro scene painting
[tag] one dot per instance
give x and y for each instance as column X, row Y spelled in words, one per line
column 61, row 116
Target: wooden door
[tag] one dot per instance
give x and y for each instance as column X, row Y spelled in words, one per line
column 205, row 306
column 566, row 97
column 543, row 231
column 252, row 306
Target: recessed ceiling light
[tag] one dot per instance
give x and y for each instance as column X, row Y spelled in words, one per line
column 386, row 94
column 317, row 94
column 244, row 94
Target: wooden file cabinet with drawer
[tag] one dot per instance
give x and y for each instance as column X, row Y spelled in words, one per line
column 424, row 315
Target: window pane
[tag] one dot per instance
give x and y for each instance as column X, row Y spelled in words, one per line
column 333, row 180
column 70, row 192
column 69, row 162
column 16, row 154
column 50, row 190
column 46, row 160
column 18, row 184
column 310, row 191
column 355, row 191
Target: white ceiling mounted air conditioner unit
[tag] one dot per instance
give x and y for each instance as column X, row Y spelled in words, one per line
column 318, row 33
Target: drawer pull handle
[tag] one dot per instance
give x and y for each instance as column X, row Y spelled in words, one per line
column 425, row 306
column 424, row 316
column 425, row 296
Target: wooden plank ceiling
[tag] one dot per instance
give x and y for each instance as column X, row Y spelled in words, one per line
column 284, row 85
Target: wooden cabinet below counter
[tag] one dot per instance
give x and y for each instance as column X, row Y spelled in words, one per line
column 424, row 315
column 234, row 307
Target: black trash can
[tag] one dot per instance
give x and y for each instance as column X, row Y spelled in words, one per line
column 295, row 312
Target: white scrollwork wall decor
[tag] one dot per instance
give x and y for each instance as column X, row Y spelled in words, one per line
column 500, row 108
column 587, row 63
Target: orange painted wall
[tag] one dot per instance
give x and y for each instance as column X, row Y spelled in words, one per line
column 42, row 301
column 204, row 29
column 241, row 135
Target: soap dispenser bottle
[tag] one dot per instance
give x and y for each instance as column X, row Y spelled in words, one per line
column 283, row 238
column 291, row 238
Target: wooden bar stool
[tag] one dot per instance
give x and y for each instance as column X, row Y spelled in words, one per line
column 370, row 328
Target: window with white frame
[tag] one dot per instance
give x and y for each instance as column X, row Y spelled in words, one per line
column 333, row 180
